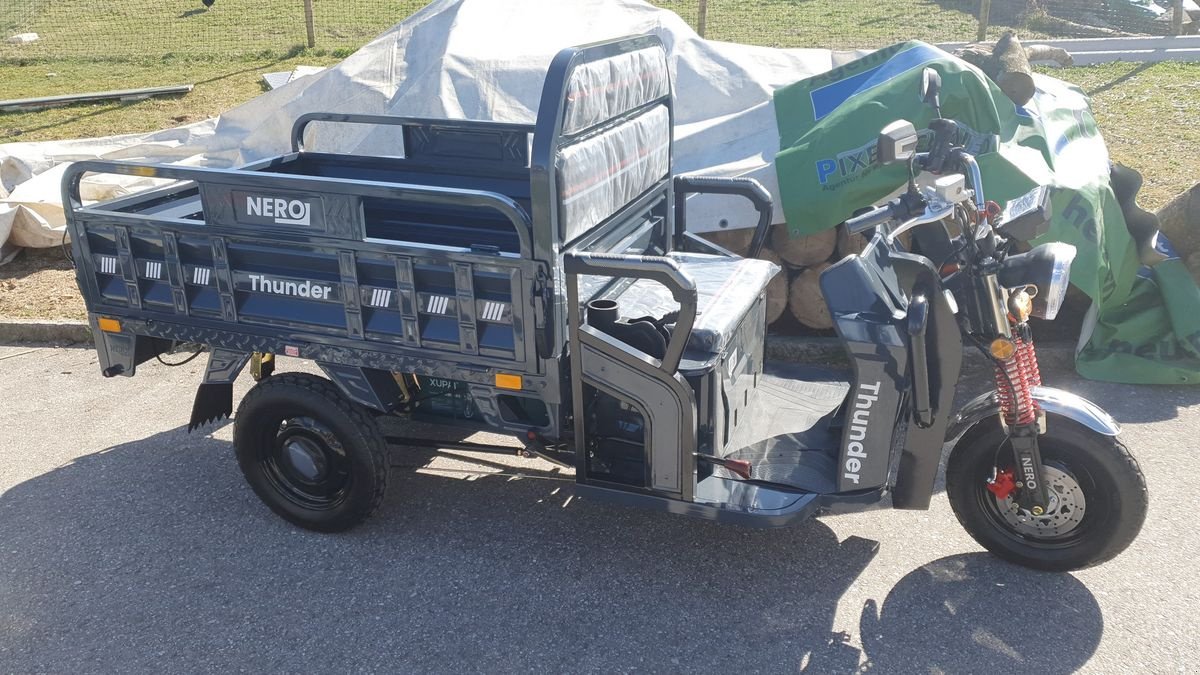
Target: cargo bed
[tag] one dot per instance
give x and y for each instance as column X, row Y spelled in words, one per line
column 352, row 251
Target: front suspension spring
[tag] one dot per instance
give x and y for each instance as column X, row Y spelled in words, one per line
column 1029, row 361
column 1016, row 377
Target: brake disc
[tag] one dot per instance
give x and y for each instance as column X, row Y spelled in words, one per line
column 1063, row 513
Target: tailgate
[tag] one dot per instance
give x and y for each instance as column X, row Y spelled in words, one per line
column 210, row 253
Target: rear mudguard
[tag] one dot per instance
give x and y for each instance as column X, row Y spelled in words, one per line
column 1053, row 401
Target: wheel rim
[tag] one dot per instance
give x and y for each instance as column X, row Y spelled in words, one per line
column 1064, row 512
column 305, row 463
column 1066, row 520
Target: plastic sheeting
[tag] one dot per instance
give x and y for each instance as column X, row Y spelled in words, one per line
column 726, row 288
column 477, row 59
column 598, row 176
column 604, row 89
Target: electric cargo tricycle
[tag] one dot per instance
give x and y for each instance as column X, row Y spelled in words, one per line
column 540, row 281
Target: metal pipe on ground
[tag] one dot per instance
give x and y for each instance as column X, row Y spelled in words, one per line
column 21, row 104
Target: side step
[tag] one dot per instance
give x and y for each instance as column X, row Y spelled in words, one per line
column 739, row 502
column 722, row 500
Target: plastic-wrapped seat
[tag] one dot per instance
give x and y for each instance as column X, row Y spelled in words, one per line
column 727, row 289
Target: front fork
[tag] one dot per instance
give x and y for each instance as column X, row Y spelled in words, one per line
column 1016, row 377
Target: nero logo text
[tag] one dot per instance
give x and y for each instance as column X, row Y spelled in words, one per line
column 282, row 211
column 856, row 452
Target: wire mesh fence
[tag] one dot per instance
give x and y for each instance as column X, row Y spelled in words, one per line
column 222, row 29
column 227, row 29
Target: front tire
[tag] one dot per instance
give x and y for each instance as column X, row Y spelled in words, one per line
column 313, row 456
column 1098, row 493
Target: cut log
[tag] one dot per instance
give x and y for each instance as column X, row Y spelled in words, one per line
column 805, row 300
column 1007, row 64
column 777, row 290
column 803, row 251
column 849, row 244
column 734, row 241
column 1049, row 54
column 1013, row 73
column 1179, row 220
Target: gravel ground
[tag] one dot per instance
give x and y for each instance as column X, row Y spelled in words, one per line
column 127, row 544
column 40, row 284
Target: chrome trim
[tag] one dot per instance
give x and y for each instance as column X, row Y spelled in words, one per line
column 1052, row 401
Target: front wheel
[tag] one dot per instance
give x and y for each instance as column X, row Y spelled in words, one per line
column 1096, row 490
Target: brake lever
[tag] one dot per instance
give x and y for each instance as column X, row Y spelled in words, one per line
column 933, row 213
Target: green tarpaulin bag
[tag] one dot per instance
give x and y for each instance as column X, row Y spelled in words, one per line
column 1144, row 325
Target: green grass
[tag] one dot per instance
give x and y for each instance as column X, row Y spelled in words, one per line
column 111, row 29
column 1149, row 115
column 114, row 29
column 840, row 24
column 220, row 85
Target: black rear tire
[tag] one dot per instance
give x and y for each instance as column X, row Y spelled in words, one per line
column 313, row 456
column 1112, row 485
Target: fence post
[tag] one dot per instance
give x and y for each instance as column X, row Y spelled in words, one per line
column 1177, row 17
column 985, row 11
column 308, row 23
column 702, row 17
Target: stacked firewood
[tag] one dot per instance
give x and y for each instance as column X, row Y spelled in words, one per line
column 796, row 290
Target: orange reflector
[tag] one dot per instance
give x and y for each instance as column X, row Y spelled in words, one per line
column 507, row 381
column 109, row 325
column 1002, row 349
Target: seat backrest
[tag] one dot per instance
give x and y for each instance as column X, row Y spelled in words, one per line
column 602, row 145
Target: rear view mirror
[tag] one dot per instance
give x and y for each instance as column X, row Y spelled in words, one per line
column 931, row 89
column 897, row 143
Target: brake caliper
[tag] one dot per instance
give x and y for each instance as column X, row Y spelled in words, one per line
column 1003, row 484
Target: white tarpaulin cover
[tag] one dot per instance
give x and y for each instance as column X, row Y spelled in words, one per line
column 475, row 59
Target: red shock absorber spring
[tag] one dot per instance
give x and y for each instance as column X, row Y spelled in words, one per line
column 1029, row 361
column 1014, row 384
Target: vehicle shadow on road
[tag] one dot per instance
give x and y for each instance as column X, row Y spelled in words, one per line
column 154, row 554
column 974, row 613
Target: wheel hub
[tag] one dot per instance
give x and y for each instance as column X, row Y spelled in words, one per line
column 307, row 464
column 1064, row 510
column 306, row 460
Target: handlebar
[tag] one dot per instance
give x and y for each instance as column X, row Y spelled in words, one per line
column 873, row 218
column 902, row 208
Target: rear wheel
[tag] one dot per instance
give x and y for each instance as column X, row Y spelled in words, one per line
column 1097, row 496
column 314, row 457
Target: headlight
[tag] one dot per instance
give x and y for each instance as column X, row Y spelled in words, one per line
column 1048, row 267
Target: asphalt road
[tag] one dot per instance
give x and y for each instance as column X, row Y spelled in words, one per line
column 127, row 544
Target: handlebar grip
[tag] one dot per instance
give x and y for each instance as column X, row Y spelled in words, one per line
column 873, row 218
